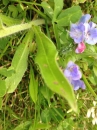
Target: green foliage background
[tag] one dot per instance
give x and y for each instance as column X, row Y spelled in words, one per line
column 34, row 50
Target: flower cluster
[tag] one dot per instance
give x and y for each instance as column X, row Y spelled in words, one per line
column 73, row 74
column 83, row 32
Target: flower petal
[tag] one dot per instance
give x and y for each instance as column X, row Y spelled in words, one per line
column 78, row 84
column 72, row 71
column 91, row 37
column 85, row 18
column 92, row 25
column 77, row 32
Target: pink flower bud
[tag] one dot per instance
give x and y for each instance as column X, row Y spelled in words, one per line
column 80, row 48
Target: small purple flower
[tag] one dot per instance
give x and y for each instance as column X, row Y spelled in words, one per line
column 74, row 75
column 90, row 33
column 72, row 71
column 77, row 32
column 78, row 84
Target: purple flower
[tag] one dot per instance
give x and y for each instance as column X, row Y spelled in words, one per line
column 78, row 84
column 72, row 71
column 77, row 32
column 83, row 32
column 85, row 18
column 90, row 33
column 73, row 74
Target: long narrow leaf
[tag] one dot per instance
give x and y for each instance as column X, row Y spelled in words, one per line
column 33, row 86
column 52, row 75
column 19, row 63
column 6, row 31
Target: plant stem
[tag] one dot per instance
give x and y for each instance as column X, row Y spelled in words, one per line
column 46, row 25
column 6, row 31
column 56, row 35
column 89, row 86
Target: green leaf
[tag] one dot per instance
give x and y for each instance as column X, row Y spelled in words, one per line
column 56, row 33
column 47, row 9
column 2, row 88
column 46, row 115
column 19, row 63
column 57, row 8
column 23, row 126
column 5, row 72
column 40, row 126
column 92, row 80
column 94, row 19
column 14, row 10
column 20, row 7
column 56, row 114
column 46, row 92
column 5, row 2
column 72, row 14
column 67, row 124
column 6, row 31
column 95, row 70
column 9, row 21
column 33, row 86
column 1, row 103
column 11, row 8
column 51, row 73
column 3, row 42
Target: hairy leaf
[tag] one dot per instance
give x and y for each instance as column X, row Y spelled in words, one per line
column 51, row 73
column 6, row 31
column 72, row 14
column 8, row 20
column 19, row 63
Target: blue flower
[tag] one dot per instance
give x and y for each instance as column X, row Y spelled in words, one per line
column 78, row 84
column 73, row 74
column 83, row 32
column 77, row 32
column 90, row 33
column 72, row 71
